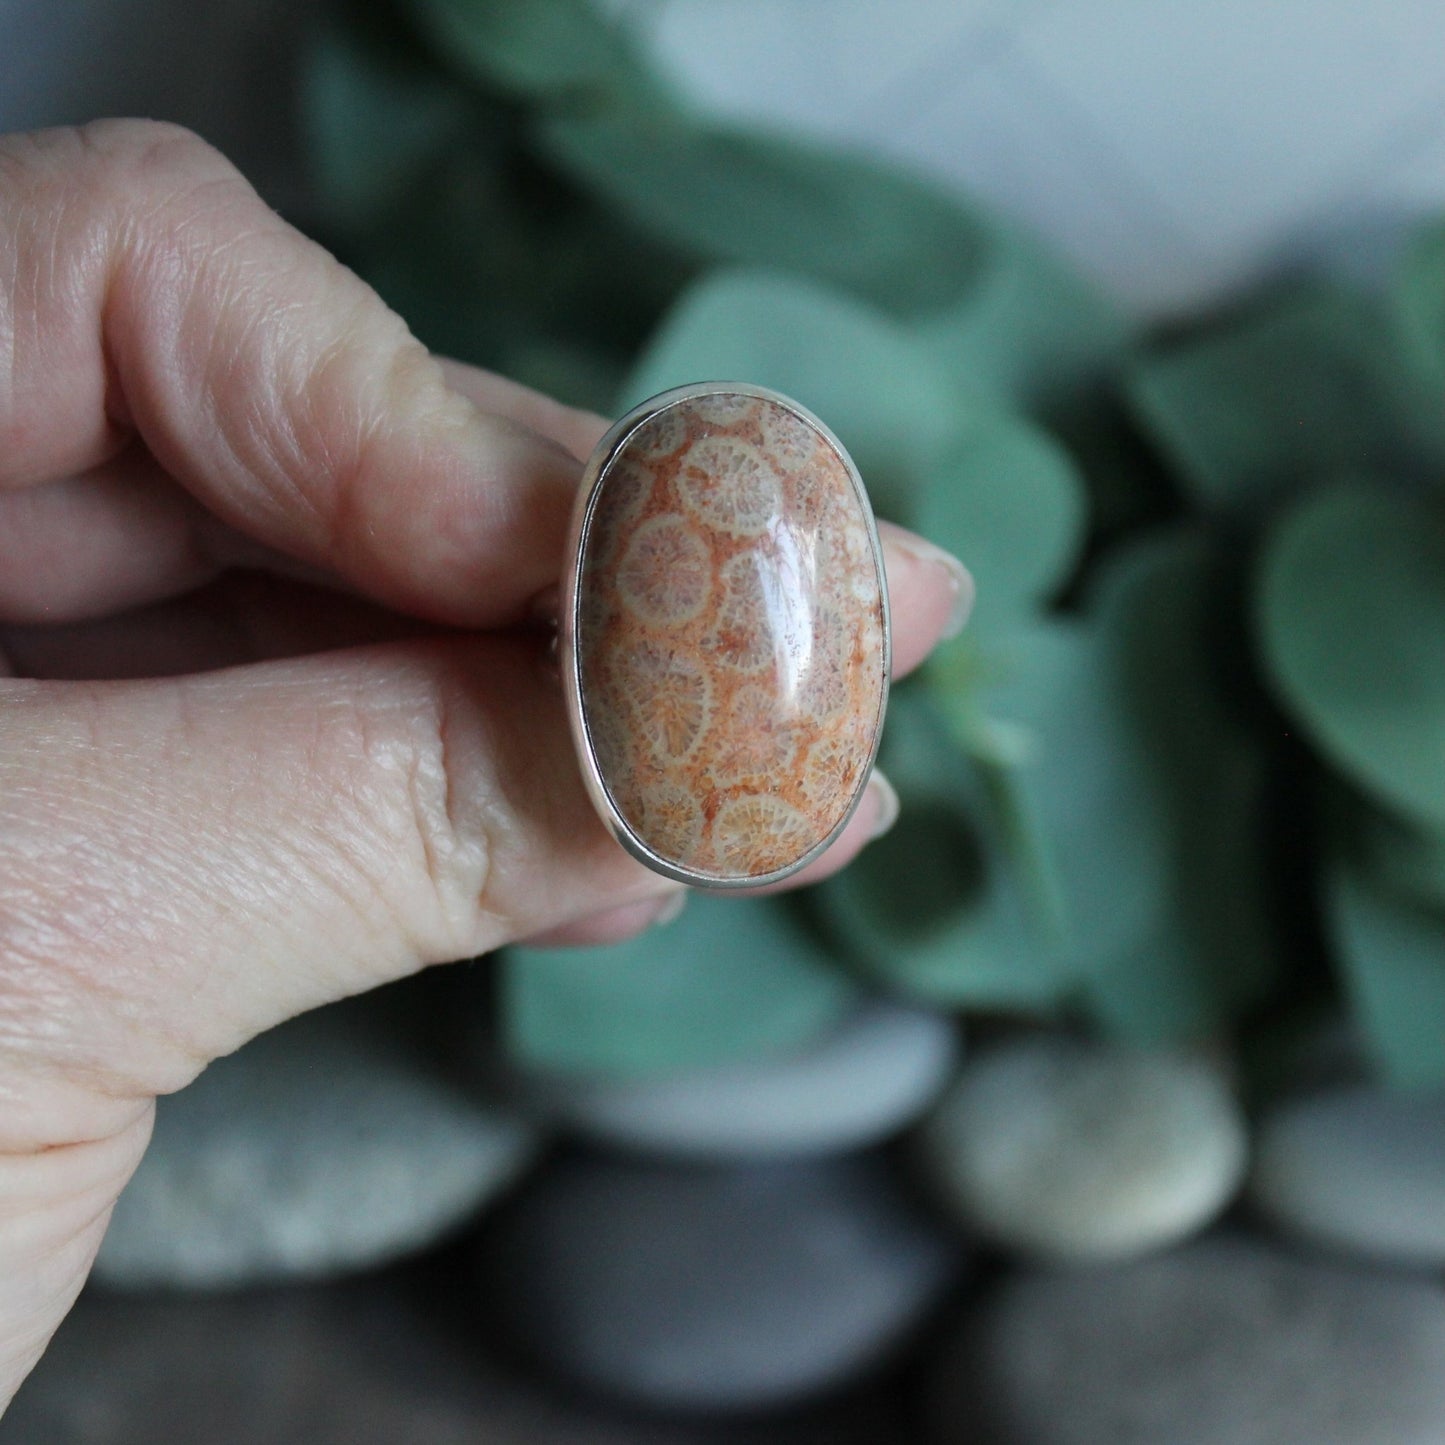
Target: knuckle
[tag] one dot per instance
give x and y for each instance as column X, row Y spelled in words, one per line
column 426, row 744
column 155, row 180
column 128, row 159
column 151, row 149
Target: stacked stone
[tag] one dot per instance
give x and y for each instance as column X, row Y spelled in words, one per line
column 1006, row 1245
column 731, row 1237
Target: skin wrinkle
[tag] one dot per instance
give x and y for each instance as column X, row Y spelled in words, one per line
column 432, row 752
column 77, row 921
column 53, row 536
column 381, row 753
column 94, row 915
column 436, row 825
column 76, row 237
column 258, row 451
column 455, row 844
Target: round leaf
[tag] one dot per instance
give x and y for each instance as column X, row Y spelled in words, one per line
column 1306, row 387
column 862, row 373
column 535, row 47
column 935, row 908
column 1392, row 957
column 1407, row 860
column 1031, row 331
column 773, row 201
column 1008, row 500
column 730, row 979
column 1137, row 795
column 1416, row 302
column 1352, row 621
column 373, row 119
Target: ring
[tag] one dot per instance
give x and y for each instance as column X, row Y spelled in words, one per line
column 724, row 634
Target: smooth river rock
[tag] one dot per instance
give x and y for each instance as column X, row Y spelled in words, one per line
column 858, row 1084
column 1357, row 1169
column 366, row 1362
column 703, row 1287
column 730, row 639
column 1223, row 1342
column 318, row 1148
column 1073, row 1151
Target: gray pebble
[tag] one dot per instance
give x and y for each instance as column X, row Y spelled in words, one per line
column 364, row 1362
column 1223, row 1342
column 857, row 1085
column 1080, row 1152
column 315, row 1149
column 1357, row 1169
column 697, row 1286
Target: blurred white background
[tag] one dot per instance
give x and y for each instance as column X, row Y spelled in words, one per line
column 1178, row 151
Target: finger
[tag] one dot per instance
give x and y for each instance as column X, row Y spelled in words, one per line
column 577, row 431
column 612, row 925
column 242, row 617
column 113, row 538
column 125, row 533
column 185, row 863
column 251, row 617
column 116, row 537
column 930, row 594
column 262, row 375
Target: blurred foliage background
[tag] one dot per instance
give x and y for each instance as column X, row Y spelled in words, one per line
column 1184, row 775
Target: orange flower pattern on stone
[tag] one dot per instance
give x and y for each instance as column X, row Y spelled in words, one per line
column 730, row 639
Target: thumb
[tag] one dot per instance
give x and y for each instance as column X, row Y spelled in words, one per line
column 187, row 862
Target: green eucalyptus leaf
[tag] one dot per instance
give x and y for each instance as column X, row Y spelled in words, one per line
column 1137, row 791
column 1307, row 387
column 1091, row 824
column 1416, row 303
column 730, row 979
column 1409, row 861
column 934, row 909
column 373, row 117
column 437, row 261
column 1351, row 615
column 1008, row 499
column 861, row 372
column 986, row 484
column 536, row 47
column 1210, row 950
column 578, row 375
column 1392, row 958
column 773, row 201
column 501, row 274
column 1029, row 331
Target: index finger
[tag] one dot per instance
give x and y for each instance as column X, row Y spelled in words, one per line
column 153, row 292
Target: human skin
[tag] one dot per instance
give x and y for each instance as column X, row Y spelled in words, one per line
column 277, row 723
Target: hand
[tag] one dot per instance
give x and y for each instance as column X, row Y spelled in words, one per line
column 273, row 728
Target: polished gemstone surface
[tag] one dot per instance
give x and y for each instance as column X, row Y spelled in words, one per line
column 731, row 648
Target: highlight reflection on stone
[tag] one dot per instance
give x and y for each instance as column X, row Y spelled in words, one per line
column 730, row 636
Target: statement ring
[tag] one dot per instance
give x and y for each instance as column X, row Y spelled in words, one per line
column 724, row 638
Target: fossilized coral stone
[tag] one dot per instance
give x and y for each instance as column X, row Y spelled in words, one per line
column 731, row 649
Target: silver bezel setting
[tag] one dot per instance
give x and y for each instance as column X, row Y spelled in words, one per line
column 601, row 459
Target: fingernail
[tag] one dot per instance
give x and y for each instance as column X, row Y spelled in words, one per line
column 960, row 580
column 670, row 908
column 885, row 802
